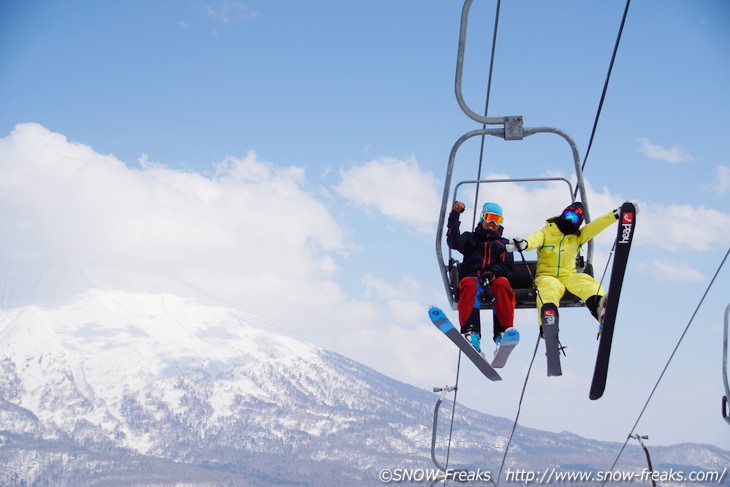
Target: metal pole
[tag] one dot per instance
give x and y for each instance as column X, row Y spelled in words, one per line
column 646, row 452
column 443, row 390
column 726, row 397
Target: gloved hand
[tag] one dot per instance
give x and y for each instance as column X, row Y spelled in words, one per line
column 459, row 207
column 489, row 276
column 516, row 244
column 617, row 211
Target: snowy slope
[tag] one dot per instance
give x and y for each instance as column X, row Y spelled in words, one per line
column 180, row 379
column 124, row 387
column 108, row 352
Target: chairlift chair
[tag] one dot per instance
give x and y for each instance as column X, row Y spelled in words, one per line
column 510, row 128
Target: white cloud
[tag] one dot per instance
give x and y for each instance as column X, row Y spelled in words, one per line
column 674, row 227
column 683, row 227
column 254, row 237
column 667, row 154
column 402, row 302
column 671, row 270
column 526, row 206
column 396, row 188
column 722, row 179
column 251, row 235
column 230, row 10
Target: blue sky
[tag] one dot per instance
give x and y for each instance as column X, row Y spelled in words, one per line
column 288, row 158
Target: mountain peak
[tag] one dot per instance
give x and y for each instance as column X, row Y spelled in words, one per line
column 139, row 385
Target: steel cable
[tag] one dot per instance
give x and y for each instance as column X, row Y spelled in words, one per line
column 605, row 88
column 666, row 366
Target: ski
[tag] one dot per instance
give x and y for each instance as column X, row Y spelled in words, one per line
column 549, row 313
column 627, row 225
column 439, row 319
column 510, row 338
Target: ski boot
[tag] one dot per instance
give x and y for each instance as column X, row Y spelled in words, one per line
column 473, row 339
column 597, row 306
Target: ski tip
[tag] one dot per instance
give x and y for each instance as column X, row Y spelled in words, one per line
column 511, row 333
column 597, row 390
column 510, row 338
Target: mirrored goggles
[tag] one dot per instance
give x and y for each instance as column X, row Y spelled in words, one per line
column 492, row 217
column 573, row 217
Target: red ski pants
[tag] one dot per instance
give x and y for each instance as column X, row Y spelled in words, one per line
column 504, row 307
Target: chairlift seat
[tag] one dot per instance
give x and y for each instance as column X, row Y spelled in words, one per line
column 521, row 282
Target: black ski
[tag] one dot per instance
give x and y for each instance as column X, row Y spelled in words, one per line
column 439, row 319
column 549, row 313
column 626, row 227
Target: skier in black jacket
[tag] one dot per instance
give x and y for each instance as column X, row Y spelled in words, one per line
column 485, row 259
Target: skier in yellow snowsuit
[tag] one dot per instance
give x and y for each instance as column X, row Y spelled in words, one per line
column 557, row 245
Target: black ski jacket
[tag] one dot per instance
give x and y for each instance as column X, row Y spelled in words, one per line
column 483, row 249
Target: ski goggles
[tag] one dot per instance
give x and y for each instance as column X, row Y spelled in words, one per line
column 572, row 216
column 488, row 216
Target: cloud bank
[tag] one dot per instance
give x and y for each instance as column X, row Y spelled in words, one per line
column 253, row 235
column 722, row 179
column 253, row 232
column 247, row 231
column 671, row 155
column 398, row 189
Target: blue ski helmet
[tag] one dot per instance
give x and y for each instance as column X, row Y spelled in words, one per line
column 492, row 212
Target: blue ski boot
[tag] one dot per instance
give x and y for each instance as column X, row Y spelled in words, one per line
column 505, row 343
column 473, row 339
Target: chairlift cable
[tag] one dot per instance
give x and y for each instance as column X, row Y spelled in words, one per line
column 527, row 376
column 476, row 203
column 486, row 108
column 605, row 87
column 666, row 366
column 519, row 409
column 453, row 410
column 479, row 172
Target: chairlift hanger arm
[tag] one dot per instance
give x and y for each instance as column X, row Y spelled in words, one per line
column 639, row 438
column 443, row 391
column 460, row 69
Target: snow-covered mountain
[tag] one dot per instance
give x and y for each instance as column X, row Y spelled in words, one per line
column 120, row 387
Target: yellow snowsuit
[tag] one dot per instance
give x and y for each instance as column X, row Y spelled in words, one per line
column 556, row 254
